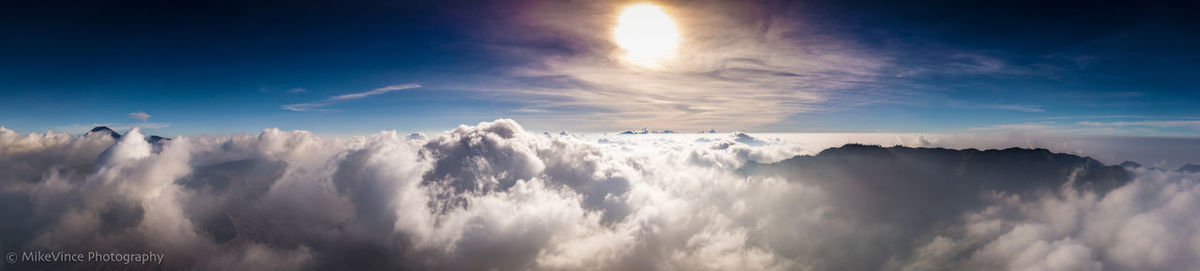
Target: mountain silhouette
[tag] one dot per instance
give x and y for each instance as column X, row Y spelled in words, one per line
column 1014, row 170
column 156, row 139
column 153, row 139
column 914, row 190
column 918, row 186
column 105, row 129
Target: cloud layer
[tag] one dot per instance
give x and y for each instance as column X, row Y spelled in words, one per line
column 493, row 195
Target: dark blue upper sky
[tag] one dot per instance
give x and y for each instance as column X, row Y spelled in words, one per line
column 804, row 66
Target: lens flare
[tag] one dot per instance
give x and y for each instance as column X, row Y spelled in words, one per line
column 648, row 35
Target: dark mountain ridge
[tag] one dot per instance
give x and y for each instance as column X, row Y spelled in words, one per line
column 915, row 190
column 153, row 139
column 1014, row 170
column 104, row 129
column 919, row 186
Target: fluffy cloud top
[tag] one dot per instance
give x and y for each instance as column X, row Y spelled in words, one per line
column 494, row 196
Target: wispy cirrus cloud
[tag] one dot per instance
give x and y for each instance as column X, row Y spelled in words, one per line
column 1017, row 107
column 973, row 105
column 1144, row 127
column 1194, row 124
column 1036, row 127
column 1094, row 117
column 730, row 69
column 316, row 105
column 1054, row 128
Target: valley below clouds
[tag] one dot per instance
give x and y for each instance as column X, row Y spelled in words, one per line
column 496, row 196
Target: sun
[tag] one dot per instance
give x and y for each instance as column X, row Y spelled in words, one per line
column 647, row 35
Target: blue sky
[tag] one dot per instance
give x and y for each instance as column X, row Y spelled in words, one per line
column 772, row 66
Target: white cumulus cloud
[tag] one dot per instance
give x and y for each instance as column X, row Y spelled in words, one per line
column 495, row 196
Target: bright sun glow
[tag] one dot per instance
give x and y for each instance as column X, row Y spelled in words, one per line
column 647, row 34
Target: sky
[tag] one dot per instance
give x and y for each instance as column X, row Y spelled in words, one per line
column 357, row 67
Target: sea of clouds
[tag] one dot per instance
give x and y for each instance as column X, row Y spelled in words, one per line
column 494, row 196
